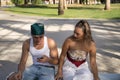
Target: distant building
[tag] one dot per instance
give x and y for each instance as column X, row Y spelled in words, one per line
column 5, row 2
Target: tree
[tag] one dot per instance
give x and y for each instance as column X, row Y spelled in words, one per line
column 26, row 2
column 16, row 2
column 64, row 4
column 60, row 8
column 107, row 5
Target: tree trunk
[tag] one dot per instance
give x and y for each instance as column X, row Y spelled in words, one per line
column 60, row 8
column 64, row 4
column 54, row 2
column 25, row 2
column 50, row 1
column 107, row 5
column 0, row 3
column 78, row 1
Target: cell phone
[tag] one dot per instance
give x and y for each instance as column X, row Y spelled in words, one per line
column 40, row 58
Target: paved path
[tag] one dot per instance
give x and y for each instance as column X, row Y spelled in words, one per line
column 14, row 29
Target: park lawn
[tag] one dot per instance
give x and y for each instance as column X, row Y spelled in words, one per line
column 78, row 11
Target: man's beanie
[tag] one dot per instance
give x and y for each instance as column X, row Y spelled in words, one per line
column 37, row 29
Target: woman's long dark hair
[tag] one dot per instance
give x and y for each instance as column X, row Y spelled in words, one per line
column 87, row 31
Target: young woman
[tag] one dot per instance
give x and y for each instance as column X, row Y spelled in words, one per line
column 73, row 59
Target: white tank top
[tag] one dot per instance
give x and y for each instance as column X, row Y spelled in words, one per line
column 37, row 53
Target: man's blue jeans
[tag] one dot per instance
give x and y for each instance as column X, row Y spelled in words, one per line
column 39, row 72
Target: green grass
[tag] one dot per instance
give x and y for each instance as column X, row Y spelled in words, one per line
column 75, row 11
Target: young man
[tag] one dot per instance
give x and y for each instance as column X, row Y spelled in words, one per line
column 73, row 64
column 44, row 54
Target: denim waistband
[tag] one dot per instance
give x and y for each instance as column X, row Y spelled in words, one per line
column 44, row 65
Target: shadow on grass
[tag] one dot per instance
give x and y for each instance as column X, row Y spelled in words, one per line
column 115, row 18
column 56, row 6
column 36, row 13
column 85, row 8
column 37, row 6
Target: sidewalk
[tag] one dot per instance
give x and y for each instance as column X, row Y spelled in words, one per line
column 14, row 29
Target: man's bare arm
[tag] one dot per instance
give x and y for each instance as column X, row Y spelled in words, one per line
column 53, row 52
column 24, row 56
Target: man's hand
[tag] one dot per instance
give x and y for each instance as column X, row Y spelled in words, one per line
column 18, row 76
column 43, row 59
